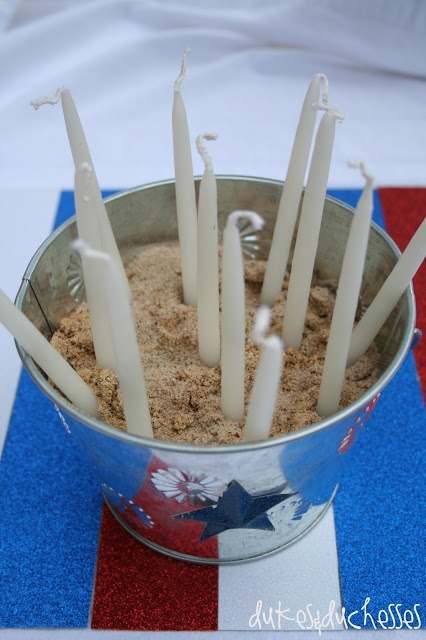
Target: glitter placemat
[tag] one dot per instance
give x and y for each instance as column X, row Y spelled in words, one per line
column 50, row 561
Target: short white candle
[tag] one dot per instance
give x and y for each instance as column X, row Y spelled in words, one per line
column 186, row 208
column 233, row 316
column 88, row 232
column 292, row 191
column 46, row 356
column 81, row 154
column 346, row 301
column 208, row 262
column 389, row 294
column 309, row 228
column 126, row 351
column 266, row 382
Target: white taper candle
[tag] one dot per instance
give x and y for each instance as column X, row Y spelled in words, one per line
column 185, row 193
column 81, row 154
column 265, row 388
column 88, row 232
column 292, row 191
column 389, row 294
column 309, row 228
column 126, row 351
column 78, row 143
column 233, row 316
column 208, row 262
column 46, row 356
column 346, row 301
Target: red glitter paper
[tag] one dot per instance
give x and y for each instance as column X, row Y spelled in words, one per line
column 404, row 210
column 138, row 589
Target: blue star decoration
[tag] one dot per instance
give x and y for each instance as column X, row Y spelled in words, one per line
column 236, row 509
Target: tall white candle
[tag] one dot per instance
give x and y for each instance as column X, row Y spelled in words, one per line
column 233, row 316
column 292, row 191
column 208, row 262
column 309, row 228
column 88, row 232
column 185, row 193
column 78, row 143
column 346, row 301
column 266, row 382
column 81, row 154
column 126, row 351
column 46, row 356
column 389, row 294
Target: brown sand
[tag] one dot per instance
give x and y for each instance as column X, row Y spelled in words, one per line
column 184, row 395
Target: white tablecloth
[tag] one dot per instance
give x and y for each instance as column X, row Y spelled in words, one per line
column 250, row 65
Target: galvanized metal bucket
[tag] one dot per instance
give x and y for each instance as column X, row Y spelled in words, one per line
column 230, row 503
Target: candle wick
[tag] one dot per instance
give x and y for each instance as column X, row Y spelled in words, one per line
column 203, row 151
column 331, row 111
column 46, row 100
column 365, row 171
column 182, row 73
column 261, row 326
column 324, row 88
column 256, row 220
column 84, row 249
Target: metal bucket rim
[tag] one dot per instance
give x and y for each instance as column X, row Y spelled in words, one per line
column 284, row 439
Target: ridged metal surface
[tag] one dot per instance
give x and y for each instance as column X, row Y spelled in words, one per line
column 140, row 477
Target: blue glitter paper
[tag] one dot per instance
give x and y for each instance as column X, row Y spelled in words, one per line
column 50, row 505
column 50, row 508
column 380, row 508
